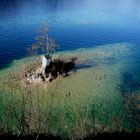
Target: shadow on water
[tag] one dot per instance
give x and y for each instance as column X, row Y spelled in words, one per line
column 130, row 84
column 83, row 66
column 130, row 87
column 95, row 63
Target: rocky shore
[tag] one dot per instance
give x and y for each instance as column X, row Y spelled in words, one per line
column 56, row 68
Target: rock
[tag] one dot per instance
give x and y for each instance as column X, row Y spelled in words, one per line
column 55, row 69
column 33, row 77
column 49, row 78
column 29, row 79
column 40, row 79
column 38, row 71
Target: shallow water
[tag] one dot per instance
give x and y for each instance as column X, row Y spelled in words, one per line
column 106, row 87
column 98, row 91
column 74, row 24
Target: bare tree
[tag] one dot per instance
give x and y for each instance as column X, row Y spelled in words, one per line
column 44, row 44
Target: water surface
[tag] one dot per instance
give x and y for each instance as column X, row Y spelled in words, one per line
column 104, row 35
column 74, row 24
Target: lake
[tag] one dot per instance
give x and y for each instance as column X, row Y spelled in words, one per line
column 73, row 24
column 104, row 34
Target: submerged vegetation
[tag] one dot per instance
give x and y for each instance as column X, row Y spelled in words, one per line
column 88, row 102
column 81, row 91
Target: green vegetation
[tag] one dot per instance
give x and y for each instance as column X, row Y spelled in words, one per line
column 88, row 102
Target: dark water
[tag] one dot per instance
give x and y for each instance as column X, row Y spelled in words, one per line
column 74, row 24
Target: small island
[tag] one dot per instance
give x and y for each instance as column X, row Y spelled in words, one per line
column 50, row 68
column 69, row 69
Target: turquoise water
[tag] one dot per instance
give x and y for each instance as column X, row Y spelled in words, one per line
column 105, row 38
column 103, row 94
column 74, row 24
